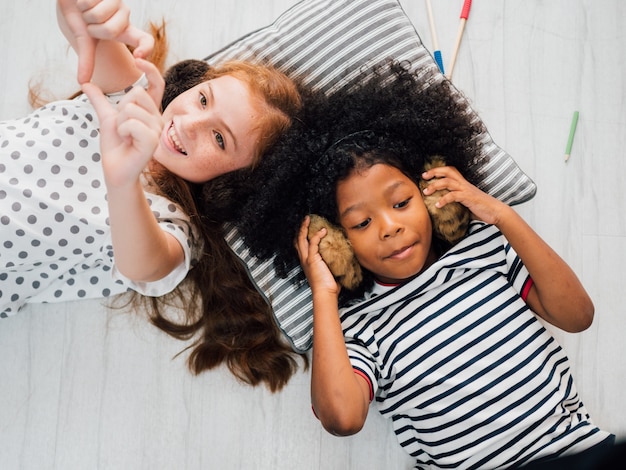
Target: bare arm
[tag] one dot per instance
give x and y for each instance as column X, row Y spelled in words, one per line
column 340, row 397
column 99, row 30
column 557, row 295
column 129, row 135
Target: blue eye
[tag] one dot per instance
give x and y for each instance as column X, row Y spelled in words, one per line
column 220, row 140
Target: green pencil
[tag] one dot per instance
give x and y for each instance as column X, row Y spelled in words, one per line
column 572, row 131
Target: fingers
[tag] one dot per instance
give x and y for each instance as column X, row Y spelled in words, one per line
column 304, row 227
column 444, row 177
column 156, row 84
column 110, row 19
column 142, row 137
column 449, row 181
column 84, row 5
column 98, row 100
column 302, row 240
column 136, row 116
column 137, row 97
column 317, row 238
column 315, row 268
column 142, row 42
column 137, row 108
column 74, row 28
column 86, row 52
column 456, row 189
column 99, row 11
column 105, row 19
column 441, row 172
column 308, row 247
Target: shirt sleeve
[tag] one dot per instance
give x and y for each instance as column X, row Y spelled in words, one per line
column 517, row 273
column 363, row 364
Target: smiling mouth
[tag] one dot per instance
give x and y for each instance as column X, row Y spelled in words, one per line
column 174, row 139
column 401, row 253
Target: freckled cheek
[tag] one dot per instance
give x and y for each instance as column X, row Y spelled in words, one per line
column 201, row 162
column 203, row 154
column 210, row 168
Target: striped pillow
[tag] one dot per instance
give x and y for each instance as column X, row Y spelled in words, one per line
column 328, row 44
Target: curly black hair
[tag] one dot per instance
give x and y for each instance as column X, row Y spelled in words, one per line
column 388, row 115
column 182, row 76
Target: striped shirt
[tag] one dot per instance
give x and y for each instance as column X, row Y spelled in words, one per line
column 466, row 371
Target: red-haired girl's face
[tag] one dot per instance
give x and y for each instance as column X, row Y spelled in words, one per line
column 209, row 130
column 387, row 223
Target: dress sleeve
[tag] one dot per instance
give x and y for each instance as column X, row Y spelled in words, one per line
column 115, row 97
column 174, row 221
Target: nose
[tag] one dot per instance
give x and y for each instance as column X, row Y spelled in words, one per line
column 194, row 119
column 389, row 227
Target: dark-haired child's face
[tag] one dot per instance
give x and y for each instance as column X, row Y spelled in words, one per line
column 385, row 219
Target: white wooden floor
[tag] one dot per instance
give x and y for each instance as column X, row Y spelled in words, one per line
column 82, row 387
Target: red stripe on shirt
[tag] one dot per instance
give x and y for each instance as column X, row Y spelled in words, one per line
column 369, row 383
column 526, row 288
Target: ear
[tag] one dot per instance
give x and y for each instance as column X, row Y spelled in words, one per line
column 337, row 253
column 450, row 222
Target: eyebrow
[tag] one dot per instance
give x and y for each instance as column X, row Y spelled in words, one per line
column 389, row 189
column 222, row 124
column 349, row 209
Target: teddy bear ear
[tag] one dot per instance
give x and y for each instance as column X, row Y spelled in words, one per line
column 450, row 223
column 337, row 253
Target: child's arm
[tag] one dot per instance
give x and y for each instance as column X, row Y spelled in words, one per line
column 99, row 30
column 340, row 397
column 557, row 295
column 129, row 135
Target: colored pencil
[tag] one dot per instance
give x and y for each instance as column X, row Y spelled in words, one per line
column 433, row 33
column 464, row 15
column 570, row 139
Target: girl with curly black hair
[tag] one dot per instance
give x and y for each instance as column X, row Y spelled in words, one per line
column 295, row 175
column 446, row 339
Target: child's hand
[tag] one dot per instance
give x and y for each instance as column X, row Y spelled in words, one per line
column 319, row 276
column 110, row 19
column 88, row 21
column 482, row 205
column 130, row 132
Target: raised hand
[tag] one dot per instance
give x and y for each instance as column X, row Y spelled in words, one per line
column 85, row 22
column 317, row 272
column 130, row 132
column 482, row 205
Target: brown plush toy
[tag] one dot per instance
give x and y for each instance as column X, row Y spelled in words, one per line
column 337, row 253
column 450, row 223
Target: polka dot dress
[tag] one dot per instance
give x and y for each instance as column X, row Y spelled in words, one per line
column 55, row 242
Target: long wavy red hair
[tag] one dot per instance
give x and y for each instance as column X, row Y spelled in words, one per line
column 218, row 309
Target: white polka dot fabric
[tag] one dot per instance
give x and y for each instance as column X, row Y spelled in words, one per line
column 55, row 242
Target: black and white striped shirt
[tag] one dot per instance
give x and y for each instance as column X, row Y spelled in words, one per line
column 466, row 371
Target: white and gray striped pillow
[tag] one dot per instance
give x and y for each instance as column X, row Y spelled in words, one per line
column 327, row 44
